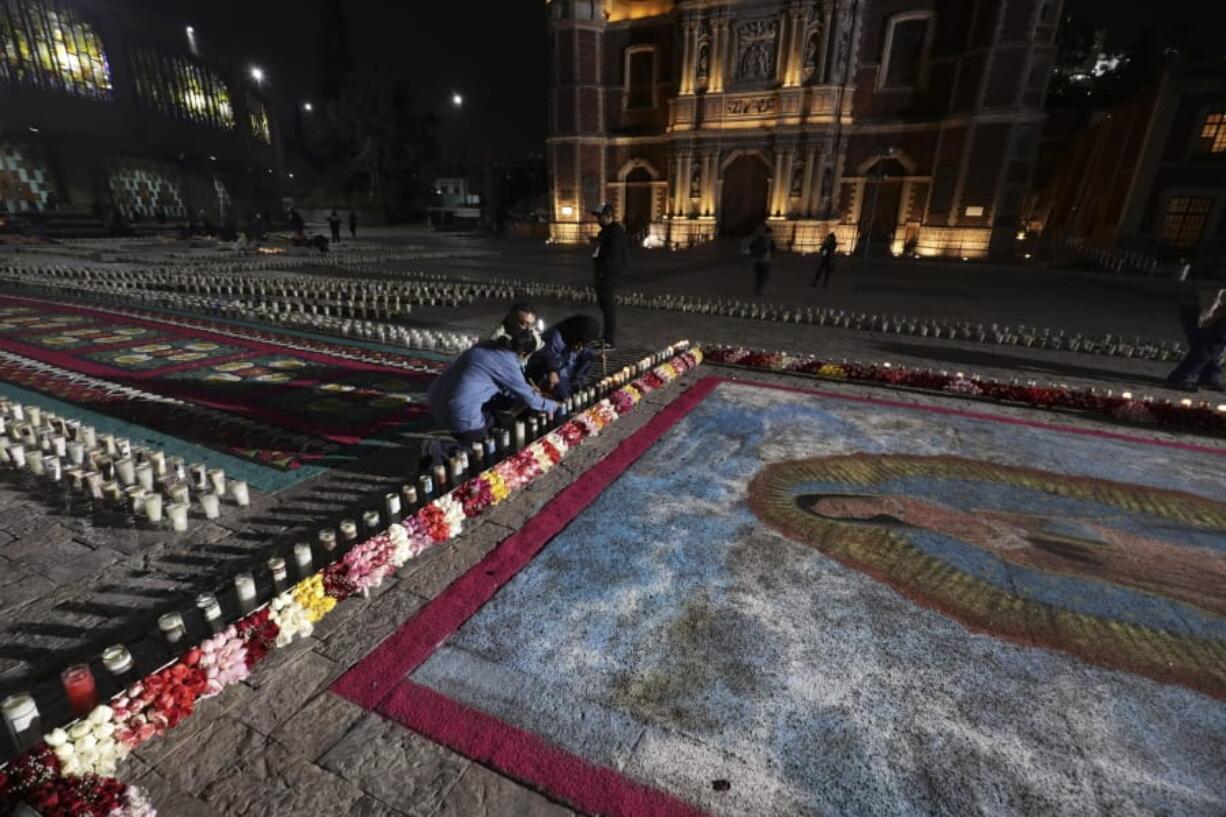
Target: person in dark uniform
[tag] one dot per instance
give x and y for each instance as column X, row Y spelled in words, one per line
column 353, row 224
column 1201, row 367
column 609, row 261
column 564, row 362
column 825, row 262
column 334, row 224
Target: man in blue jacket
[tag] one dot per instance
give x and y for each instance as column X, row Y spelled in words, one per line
column 460, row 398
column 563, row 364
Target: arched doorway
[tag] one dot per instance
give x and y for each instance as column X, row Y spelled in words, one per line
column 882, row 200
column 745, row 194
column 638, row 200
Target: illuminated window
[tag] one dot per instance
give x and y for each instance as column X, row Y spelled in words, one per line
column 1213, row 133
column 46, row 44
column 257, row 114
column 183, row 88
column 640, row 77
column 905, row 52
column 1185, row 220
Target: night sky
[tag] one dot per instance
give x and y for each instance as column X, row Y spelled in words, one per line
column 494, row 53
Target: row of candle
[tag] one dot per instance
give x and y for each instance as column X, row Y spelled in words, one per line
column 109, row 468
column 20, row 712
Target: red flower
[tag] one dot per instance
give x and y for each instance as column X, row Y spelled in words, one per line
column 260, row 634
column 475, row 496
column 434, row 522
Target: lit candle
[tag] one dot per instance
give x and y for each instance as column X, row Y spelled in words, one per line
column 199, row 474
column 303, row 558
column 171, row 625
column 370, row 519
column 177, row 511
column 1186, row 403
column 153, row 508
column 118, row 661
column 35, row 463
column 244, row 586
column 327, row 539
column 123, row 446
column 217, row 478
column 135, row 496
column 457, row 470
column 280, row 575
column 144, row 476
column 35, row 414
column 179, row 492
column 408, row 496
column 207, row 604
column 93, row 481
column 76, row 453
column 491, row 448
column 211, row 503
column 391, row 506
column 53, row 468
column 158, row 460
column 1127, row 395
column 89, row 436
column 504, row 440
column 17, row 453
column 22, row 721
column 108, row 445
column 239, row 493
column 520, row 435
column 125, row 469
column 440, row 477
column 60, row 444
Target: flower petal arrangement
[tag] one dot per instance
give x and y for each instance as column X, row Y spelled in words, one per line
column 69, row 774
column 1186, row 415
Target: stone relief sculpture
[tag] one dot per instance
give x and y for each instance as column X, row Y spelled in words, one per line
column 757, row 47
column 809, row 68
column 703, row 71
column 798, row 179
column 696, row 181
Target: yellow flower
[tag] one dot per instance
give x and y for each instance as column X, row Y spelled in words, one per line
column 832, row 370
column 498, row 487
column 309, row 594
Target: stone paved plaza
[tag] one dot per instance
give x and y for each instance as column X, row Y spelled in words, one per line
column 291, row 738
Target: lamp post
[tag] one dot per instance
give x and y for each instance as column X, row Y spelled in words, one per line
column 872, row 213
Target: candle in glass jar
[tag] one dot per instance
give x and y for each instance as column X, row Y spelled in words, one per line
column 280, row 575
column 408, row 496
column 177, row 511
column 239, row 493
column 521, row 432
column 118, row 662
column 244, row 586
column 34, row 461
column 211, row 504
column 153, row 507
column 440, row 477
column 158, row 460
column 22, row 721
column 217, row 478
column 108, row 445
column 89, row 436
column 349, row 530
column 125, row 469
column 327, row 539
column 371, row 520
column 207, row 604
column 53, row 468
column 425, row 487
column 76, row 453
column 35, row 414
column 81, row 689
column 60, row 445
column 391, row 505
column 144, row 476
column 303, row 558
column 171, row 625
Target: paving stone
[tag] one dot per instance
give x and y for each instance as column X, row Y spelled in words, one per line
column 26, row 586
column 381, row 618
column 210, row 754
column 172, row 801
column 317, row 725
column 482, row 793
column 282, row 694
column 397, row 766
column 276, row 783
column 372, row 807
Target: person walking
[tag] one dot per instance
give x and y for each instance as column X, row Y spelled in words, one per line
column 1201, row 367
column 825, row 261
column 353, row 224
column 609, row 261
column 334, row 223
column 761, row 245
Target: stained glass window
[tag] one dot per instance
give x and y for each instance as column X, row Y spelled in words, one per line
column 1185, row 220
column 45, row 44
column 1213, row 133
column 182, row 87
column 257, row 111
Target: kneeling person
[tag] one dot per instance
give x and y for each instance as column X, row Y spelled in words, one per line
column 566, row 359
column 460, row 398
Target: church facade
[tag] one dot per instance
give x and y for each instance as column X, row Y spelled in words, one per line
column 908, row 125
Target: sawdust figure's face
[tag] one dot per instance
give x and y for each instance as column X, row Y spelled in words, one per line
column 1033, row 556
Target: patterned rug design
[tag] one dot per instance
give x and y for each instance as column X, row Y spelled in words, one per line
column 769, row 602
column 322, row 390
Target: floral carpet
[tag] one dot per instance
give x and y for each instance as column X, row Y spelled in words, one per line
column 833, row 605
column 294, row 401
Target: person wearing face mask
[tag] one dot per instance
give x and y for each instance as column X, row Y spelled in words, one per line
column 461, row 398
column 564, row 362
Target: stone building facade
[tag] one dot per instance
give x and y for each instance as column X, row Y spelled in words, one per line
column 910, row 124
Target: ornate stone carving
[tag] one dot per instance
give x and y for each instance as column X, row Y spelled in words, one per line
column 757, row 50
column 702, row 65
column 696, row 180
column 798, row 179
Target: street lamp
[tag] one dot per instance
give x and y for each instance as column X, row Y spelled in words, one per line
column 257, row 74
column 457, row 100
column 308, row 107
column 872, row 213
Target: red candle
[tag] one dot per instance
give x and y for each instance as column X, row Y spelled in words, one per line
column 82, row 692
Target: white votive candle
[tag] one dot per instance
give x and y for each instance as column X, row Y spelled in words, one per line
column 177, row 511
column 125, row 470
column 239, row 493
column 303, row 558
column 171, row 625
column 153, row 507
column 144, row 476
column 244, row 586
column 211, row 503
column 76, row 453
column 217, row 478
